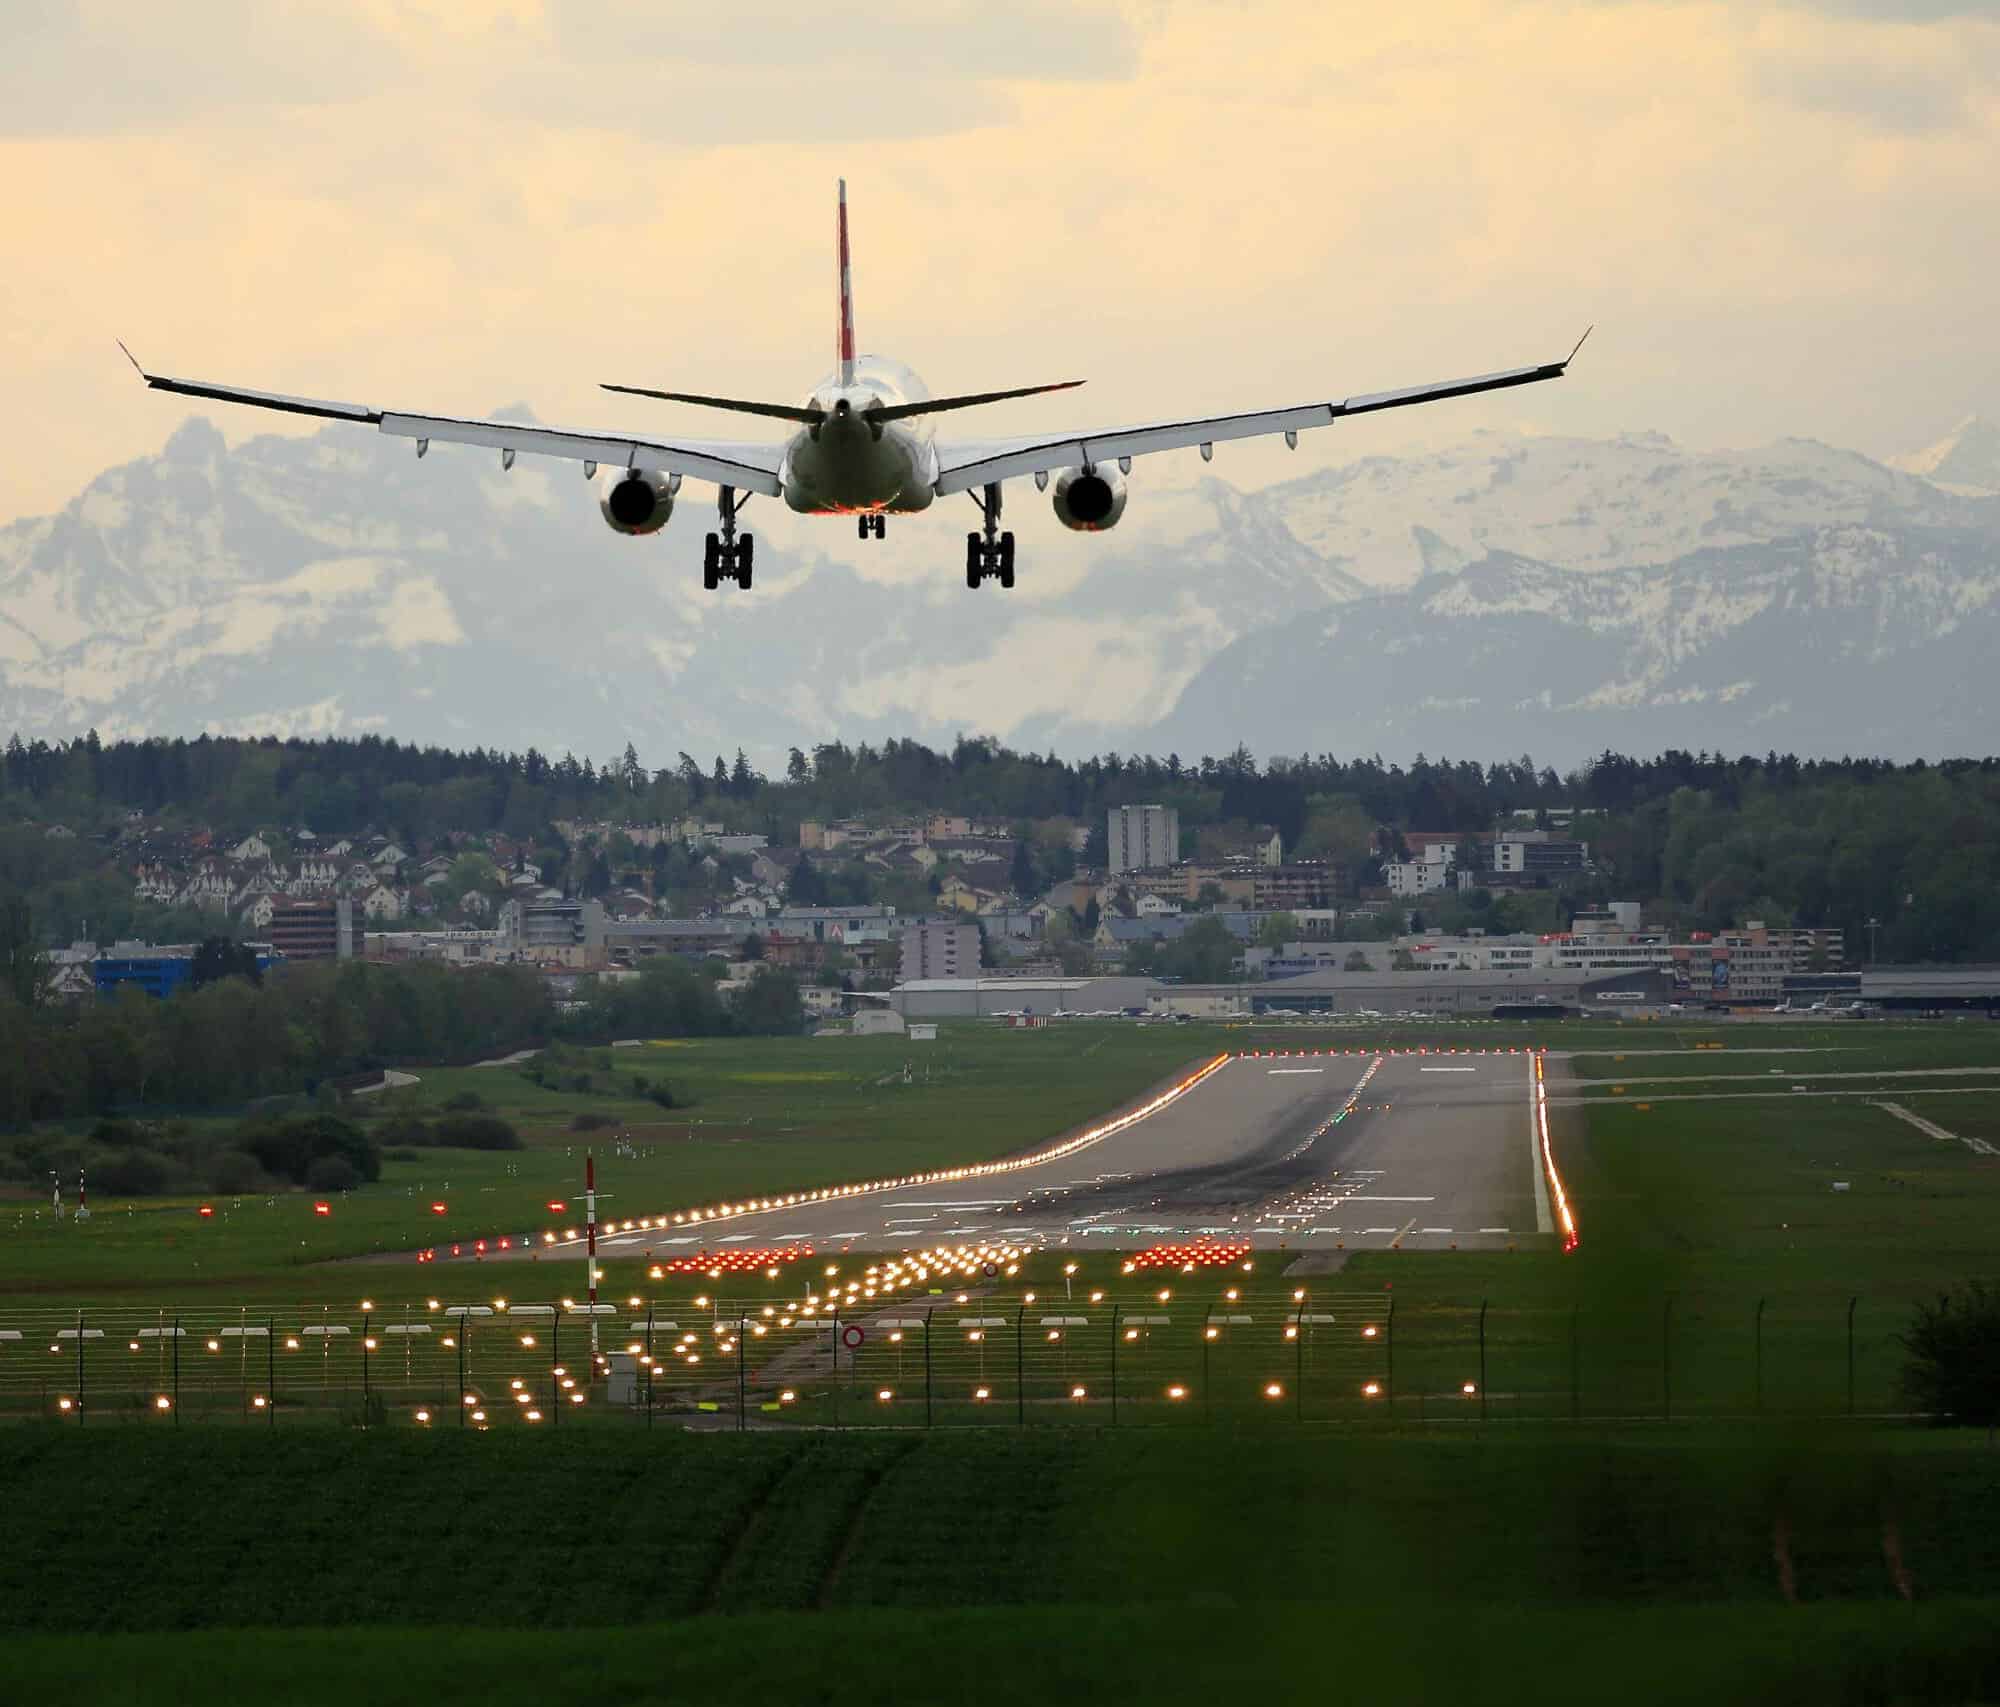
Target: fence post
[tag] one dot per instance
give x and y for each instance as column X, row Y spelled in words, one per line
column 1207, row 1407
column 835, row 1340
column 367, row 1389
column 1575, row 1383
column 79, row 1369
column 1482, row 1360
column 1667, row 1360
column 177, row 1372
column 1114, row 1366
column 1850, row 1354
column 555, row 1364
column 929, row 1312
column 649, row 1365
column 1020, row 1370
column 1389, row 1382
column 1759, row 1331
column 464, row 1328
column 1299, row 1362
column 742, row 1371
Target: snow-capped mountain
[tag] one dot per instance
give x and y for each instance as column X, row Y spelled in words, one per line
column 1465, row 598
column 1965, row 461
column 1846, row 639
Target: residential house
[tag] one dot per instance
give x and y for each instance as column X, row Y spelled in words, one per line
column 251, row 847
column 382, row 903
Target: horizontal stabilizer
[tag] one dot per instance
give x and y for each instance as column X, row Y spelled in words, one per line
column 937, row 405
column 739, row 405
column 876, row 412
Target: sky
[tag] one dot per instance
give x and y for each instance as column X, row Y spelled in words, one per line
column 1783, row 219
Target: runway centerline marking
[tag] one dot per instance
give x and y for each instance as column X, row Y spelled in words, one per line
column 1357, row 1198
column 1280, row 1072
column 1447, row 1069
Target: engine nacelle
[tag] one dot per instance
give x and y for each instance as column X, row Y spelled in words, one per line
column 1089, row 499
column 636, row 500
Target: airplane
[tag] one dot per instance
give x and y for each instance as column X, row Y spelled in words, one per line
column 861, row 446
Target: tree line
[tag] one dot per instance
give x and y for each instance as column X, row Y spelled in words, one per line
column 1706, row 840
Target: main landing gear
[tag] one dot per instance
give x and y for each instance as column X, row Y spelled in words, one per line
column 727, row 558
column 989, row 552
column 874, row 526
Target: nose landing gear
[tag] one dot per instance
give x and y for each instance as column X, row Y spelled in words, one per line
column 727, row 558
column 874, row 526
column 989, row 552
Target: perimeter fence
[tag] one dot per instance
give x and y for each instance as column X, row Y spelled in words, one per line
column 1310, row 1355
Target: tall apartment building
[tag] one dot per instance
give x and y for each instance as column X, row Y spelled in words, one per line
column 1143, row 838
column 937, row 948
column 314, row 930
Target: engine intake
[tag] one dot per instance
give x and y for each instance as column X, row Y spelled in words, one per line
column 1089, row 500
column 636, row 500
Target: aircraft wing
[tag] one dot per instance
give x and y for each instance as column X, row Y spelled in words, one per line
column 750, row 467
column 963, row 467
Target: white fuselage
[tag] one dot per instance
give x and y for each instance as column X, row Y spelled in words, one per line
column 845, row 465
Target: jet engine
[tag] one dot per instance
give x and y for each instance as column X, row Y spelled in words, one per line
column 1089, row 499
column 636, row 500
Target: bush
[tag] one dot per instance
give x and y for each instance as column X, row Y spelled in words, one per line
column 117, row 1135
column 401, row 1153
column 133, row 1173
column 464, row 1102
column 234, row 1171
column 590, row 1122
column 407, row 1131
column 331, row 1173
column 289, row 1148
column 477, row 1132
column 1953, row 1366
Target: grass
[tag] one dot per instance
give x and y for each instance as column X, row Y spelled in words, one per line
column 219, row 1528
column 1825, row 1656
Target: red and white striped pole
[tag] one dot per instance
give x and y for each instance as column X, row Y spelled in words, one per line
column 590, row 1237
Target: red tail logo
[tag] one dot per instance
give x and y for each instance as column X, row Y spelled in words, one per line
column 846, row 343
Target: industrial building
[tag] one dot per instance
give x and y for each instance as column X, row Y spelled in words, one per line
column 981, row 998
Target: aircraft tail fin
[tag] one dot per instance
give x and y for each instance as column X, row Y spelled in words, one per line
column 845, row 352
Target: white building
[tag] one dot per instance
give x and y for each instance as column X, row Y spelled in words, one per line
column 1421, row 876
column 1142, row 838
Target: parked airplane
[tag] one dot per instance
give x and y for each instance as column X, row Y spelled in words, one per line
column 862, row 447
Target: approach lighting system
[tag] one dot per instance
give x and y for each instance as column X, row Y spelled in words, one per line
column 1204, row 1252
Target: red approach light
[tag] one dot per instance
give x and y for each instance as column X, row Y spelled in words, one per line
column 322, row 1208
column 556, row 1206
column 506, row 1244
column 479, row 1246
column 205, row 1211
column 437, row 1208
column 455, row 1251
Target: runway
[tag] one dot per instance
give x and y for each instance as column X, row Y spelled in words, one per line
column 1356, row 1150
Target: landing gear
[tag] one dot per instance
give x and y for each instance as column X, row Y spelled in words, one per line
column 989, row 552
column 725, row 557
column 875, row 526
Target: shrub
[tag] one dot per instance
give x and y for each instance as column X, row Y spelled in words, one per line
column 401, row 1153
column 477, row 1132
column 590, row 1122
column 407, row 1131
column 235, row 1170
column 1953, row 1366
column 289, row 1148
column 464, row 1102
column 331, row 1173
column 133, row 1173
column 117, row 1134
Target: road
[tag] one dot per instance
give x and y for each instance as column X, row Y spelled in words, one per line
column 1435, row 1151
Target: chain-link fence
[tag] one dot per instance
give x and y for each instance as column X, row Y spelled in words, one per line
column 1308, row 1356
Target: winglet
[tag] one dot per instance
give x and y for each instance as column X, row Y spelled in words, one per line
column 134, row 360
column 1580, row 343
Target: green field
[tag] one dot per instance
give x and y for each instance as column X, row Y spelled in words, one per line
column 1530, row 1540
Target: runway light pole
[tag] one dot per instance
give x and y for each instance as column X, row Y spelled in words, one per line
column 590, row 1239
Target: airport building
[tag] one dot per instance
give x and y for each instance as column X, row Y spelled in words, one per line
column 940, row 948
column 986, row 998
